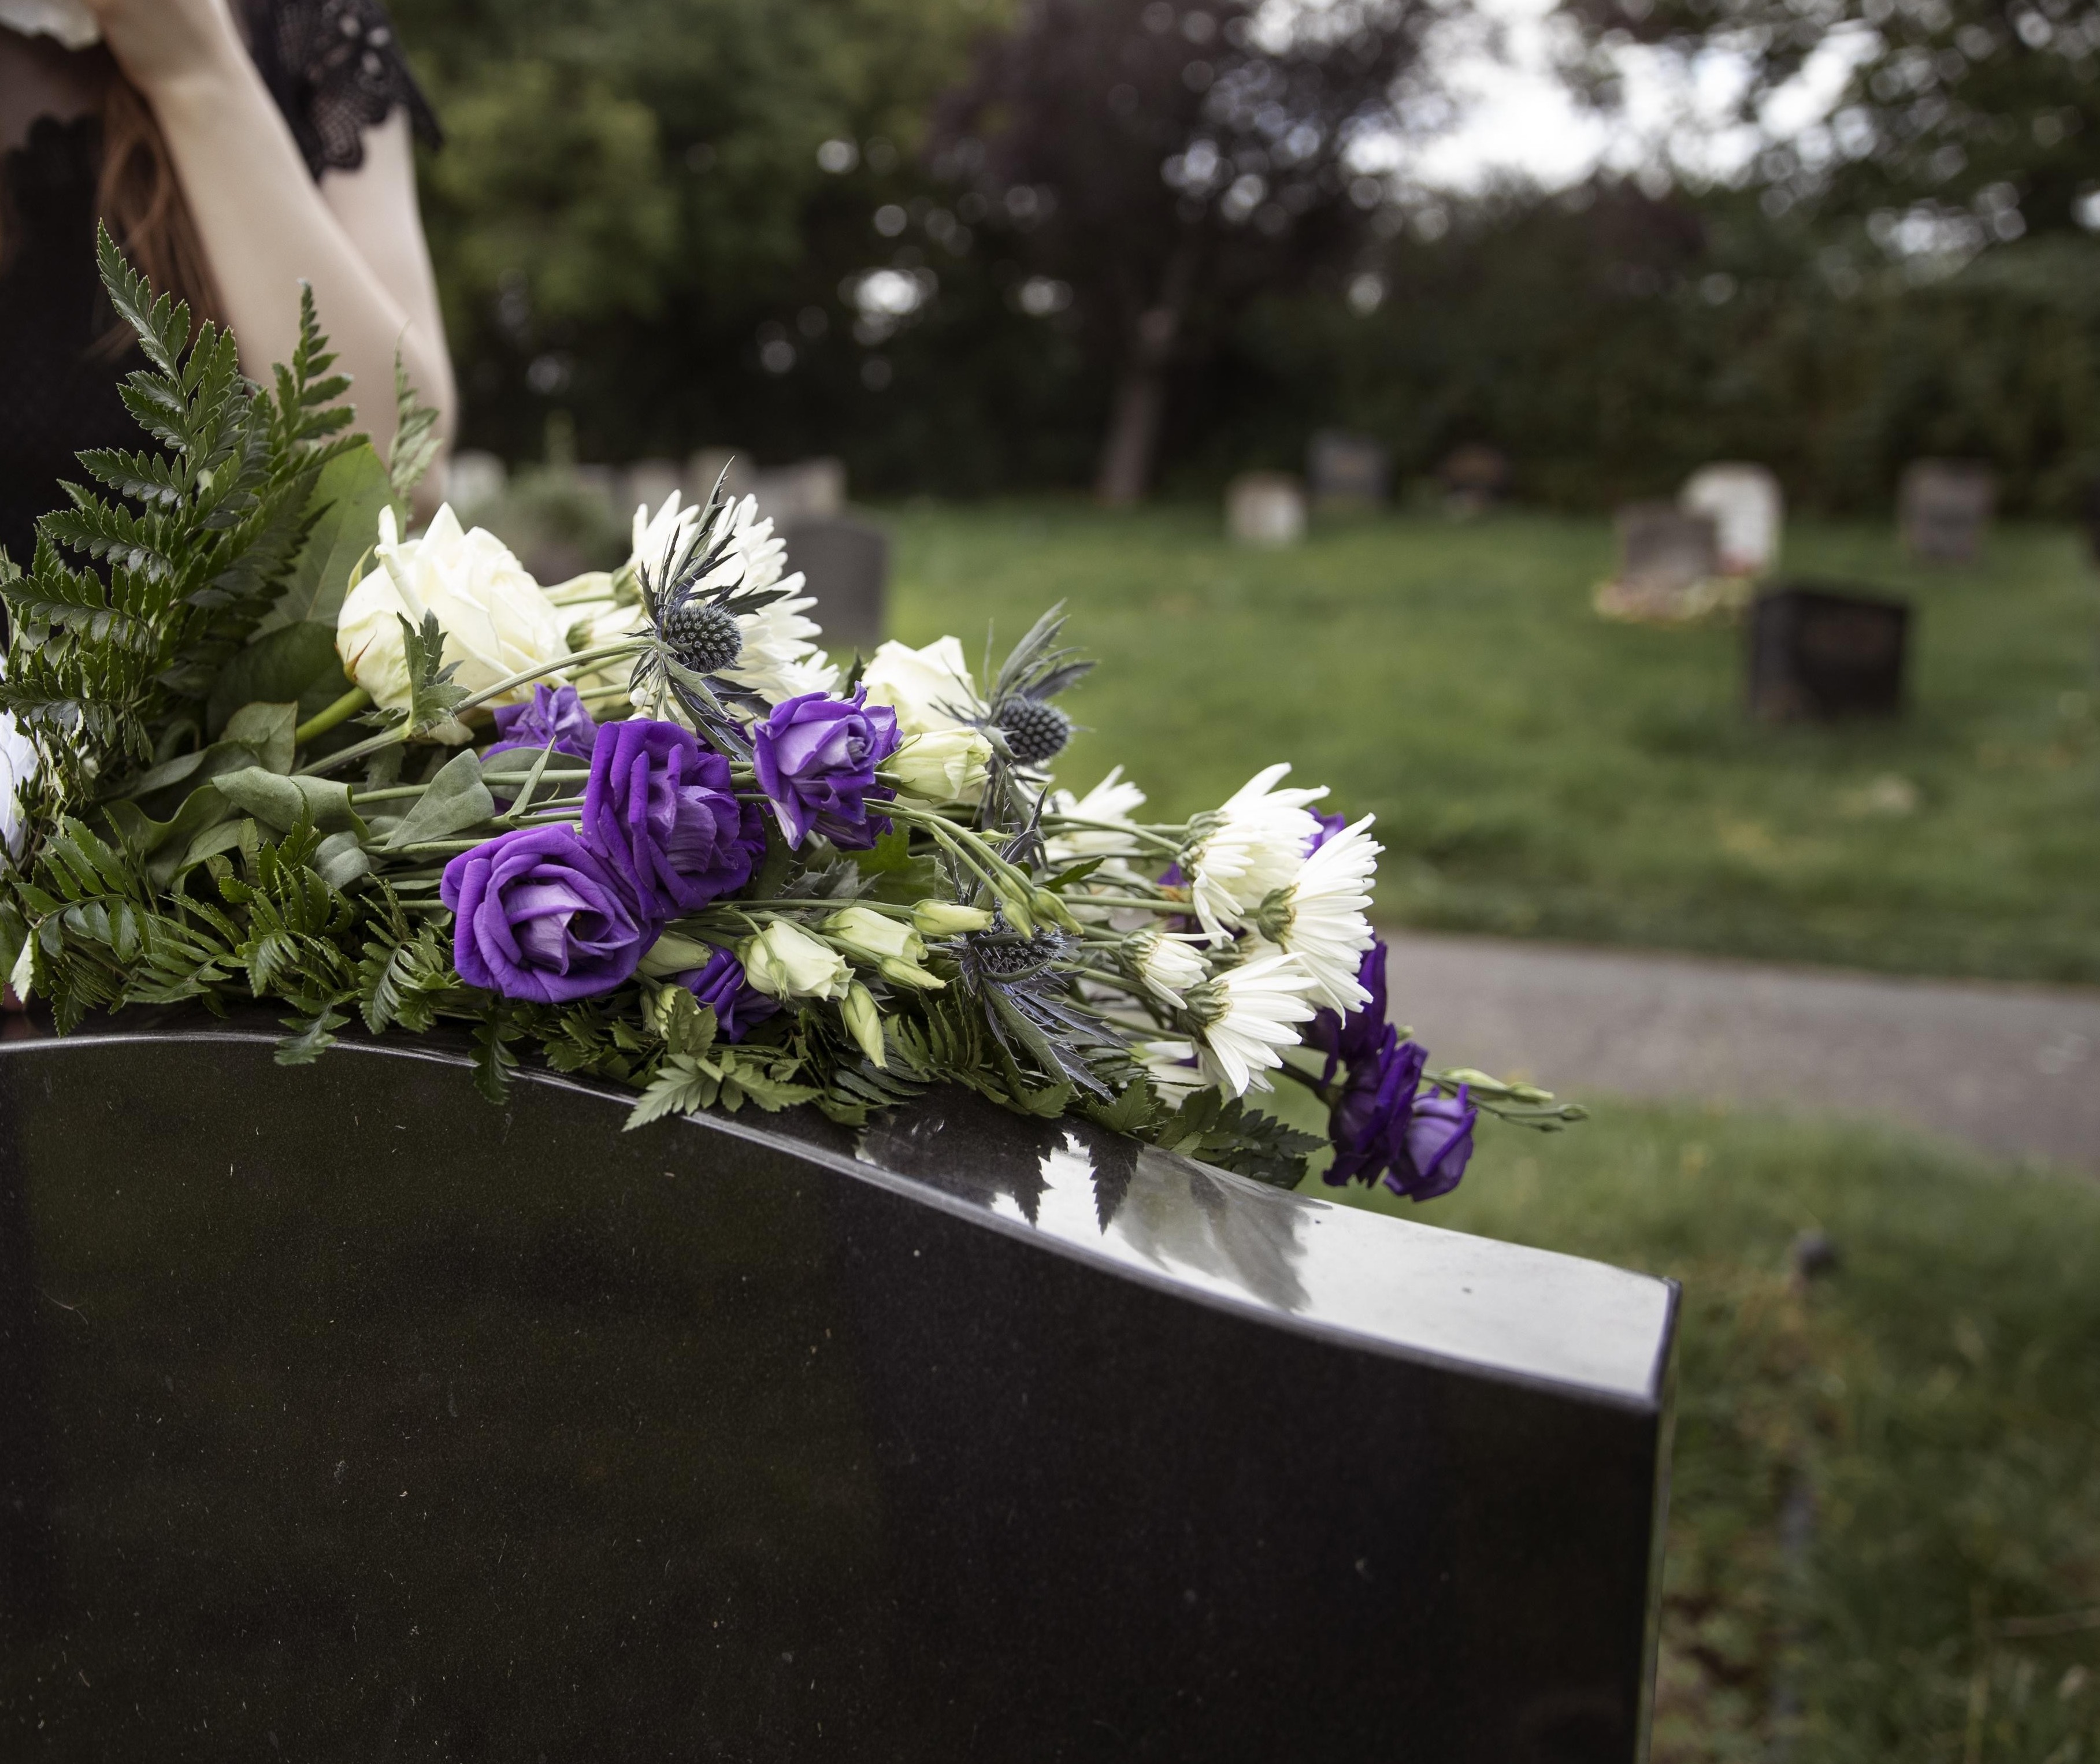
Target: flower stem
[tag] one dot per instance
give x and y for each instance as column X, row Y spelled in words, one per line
column 339, row 713
column 1143, row 833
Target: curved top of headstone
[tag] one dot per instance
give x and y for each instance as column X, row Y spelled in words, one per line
column 1388, row 1285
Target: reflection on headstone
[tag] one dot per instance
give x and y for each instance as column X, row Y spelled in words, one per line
column 1944, row 507
column 1475, row 477
column 1347, row 471
column 1748, row 508
column 1820, row 652
column 1669, row 569
column 846, row 563
column 1264, row 509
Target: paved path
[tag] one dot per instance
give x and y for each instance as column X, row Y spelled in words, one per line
column 2012, row 1069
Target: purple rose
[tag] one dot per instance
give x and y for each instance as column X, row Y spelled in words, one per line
column 555, row 714
column 816, row 757
column 739, row 1007
column 1359, row 1035
column 660, row 807
column 1369, row 1121
column 541, row 916
column 1440, row 1141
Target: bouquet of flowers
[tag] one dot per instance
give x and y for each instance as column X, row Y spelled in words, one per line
column 263, row 746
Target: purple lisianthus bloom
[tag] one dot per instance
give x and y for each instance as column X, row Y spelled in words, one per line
column 1330, row 825
column 1359, row 1036
column 1440, row 1142
column 539, row 916
column 1368, row 1123
column 739, row 1007
column 816, row 757
column 555, row 714
column 660, row 807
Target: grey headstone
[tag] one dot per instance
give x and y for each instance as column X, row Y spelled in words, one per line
column 1347, row 471
column 648, row 483
column 1475, row 477
column 813, row 490
column 705, row 467
column 1265, row 508
column 1664, row 550
column 1944, row 507
column 847, row 564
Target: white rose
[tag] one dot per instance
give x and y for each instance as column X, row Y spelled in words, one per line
column 497, row 620
column 943, row 765
column 930, row 689
column 785, row 962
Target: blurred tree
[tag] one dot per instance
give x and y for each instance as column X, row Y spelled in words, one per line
column 1156, row 167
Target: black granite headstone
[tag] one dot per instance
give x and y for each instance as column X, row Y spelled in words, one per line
column 847, row 564
column 351, row 1418
column 1820, row 652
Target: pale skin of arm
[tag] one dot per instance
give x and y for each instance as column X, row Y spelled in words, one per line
column 266, row 227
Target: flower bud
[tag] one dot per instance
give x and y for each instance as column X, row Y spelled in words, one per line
column 864, row 1021
column 944, row 918
column 861, row 931
column 783, row 961
column 905, row 973
column 941, row 765
column 1048, row 906
column 671, row 954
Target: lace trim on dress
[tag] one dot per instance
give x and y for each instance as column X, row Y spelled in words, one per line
column 335, row 68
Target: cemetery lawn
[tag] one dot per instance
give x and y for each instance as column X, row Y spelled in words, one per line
column 1927, row 1409
column 1538, row 772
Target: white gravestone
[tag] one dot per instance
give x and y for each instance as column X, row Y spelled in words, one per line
column 1748, row 511
column 1265, row 508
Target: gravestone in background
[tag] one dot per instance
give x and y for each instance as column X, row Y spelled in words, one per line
column 813, row 490
column 705, row 467
column 1474, row 478
column 1264, row 509
column 846, row 561
column 1669, row 567
column 1748, row 510
column 474, row 480
column 1943, row 508
column 1818, row 651
column 648, row 483
column 1347, row 471
column 348, row 1418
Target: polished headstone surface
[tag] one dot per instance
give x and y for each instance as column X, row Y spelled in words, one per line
column 1821, row 651
column 348, row 1417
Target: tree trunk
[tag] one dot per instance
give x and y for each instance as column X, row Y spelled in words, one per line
column 1132, row 442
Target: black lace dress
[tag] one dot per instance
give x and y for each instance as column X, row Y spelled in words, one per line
column 335, row 69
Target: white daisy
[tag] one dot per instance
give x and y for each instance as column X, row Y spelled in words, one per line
column 1114, row 801
column 778, row 660
column 664, row 540
column 1171, row 1067
column 1166, row 965
column 1319, row 917
column 1246, row 1013
column 1246, row 850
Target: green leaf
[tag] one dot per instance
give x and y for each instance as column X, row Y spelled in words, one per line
column 892, row 851
column 1132, row 1110
column 280, row 803
column 682, row 1087
column 433, row 692
column 315, row 1035
column 493, row 1060
column 266, row 730
column 346, row 502
column 456, row 800
column 294, row 663
column 341, row 860
column 415, row 437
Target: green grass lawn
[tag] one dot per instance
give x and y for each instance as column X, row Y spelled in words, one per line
column 1934, row 1398
column 1537, row 771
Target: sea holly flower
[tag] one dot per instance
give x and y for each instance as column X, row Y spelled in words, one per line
column 1245, row 1016
column 1440, row 1144
column 555, row 714
column 816, row 759
column 783, row 961
column 943, row 765
column 929, row 689
column 739, row 1006
column 1245, row 850
column 539, row 915
column 662, row 808
column 1369, row 1121
column 497, row 620
column 1319, row 915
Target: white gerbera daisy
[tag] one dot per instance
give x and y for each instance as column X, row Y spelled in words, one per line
column 1246, row 1013
column 664, row 540
column 1172, row 1066
column 1319, row 917
column 1166, row 965
column 1113, row 801
column 778, row 660
column 1246, row 850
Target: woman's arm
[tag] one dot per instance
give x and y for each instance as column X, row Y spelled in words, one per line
column 264, row 224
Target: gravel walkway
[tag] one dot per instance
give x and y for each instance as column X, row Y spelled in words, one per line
column 2010, row 1069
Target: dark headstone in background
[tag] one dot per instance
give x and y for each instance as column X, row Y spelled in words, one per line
column 1943, row 508
column 1347, row 471
column 1821, row 652
column 1473, row 477
column 847, row 562
column 373, row 1422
